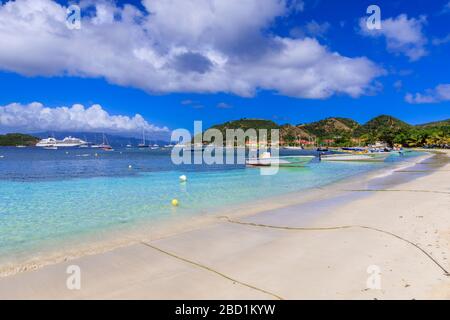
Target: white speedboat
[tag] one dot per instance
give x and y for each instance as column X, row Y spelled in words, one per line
column 379, row 157
column 284, row 161
column 293, row 147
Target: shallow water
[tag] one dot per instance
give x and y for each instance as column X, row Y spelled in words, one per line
column 49, row 197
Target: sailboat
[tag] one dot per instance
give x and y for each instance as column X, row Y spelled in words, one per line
column 104, row 145
column 143, row 144
column 21, row 145
column 86, row 144
column 96, row 145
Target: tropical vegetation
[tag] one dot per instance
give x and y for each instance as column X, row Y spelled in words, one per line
column 15, row 139
column 335, row 131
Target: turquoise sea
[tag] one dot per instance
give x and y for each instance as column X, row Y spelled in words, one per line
column 48, row 197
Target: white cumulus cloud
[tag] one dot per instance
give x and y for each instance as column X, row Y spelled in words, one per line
column 198, row 46
column 439, row 94
column 403, row 35
column 35, row 117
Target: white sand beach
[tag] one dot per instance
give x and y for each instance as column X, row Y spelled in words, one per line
column 318, row 249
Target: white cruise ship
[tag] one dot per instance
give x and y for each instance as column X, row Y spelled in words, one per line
column 66, row 142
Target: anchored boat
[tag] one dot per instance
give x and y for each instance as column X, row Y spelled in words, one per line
column 67, row 142
column 266, row 160
column 377, row 157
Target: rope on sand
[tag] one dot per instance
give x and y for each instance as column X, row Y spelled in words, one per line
column 211, row 270
column 337, row 228
column 396, row 190
column 416, row 171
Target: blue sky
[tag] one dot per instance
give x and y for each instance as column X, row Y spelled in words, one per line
column 404, row 73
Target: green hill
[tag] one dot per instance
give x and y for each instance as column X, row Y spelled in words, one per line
column 290, row 135
column 383, row 128
column 337, row 131
column 15, row 139
column 331, row 127
column 442, row 123
column 245, row 124
column 384, row 122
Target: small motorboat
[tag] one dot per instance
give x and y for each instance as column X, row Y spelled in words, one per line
column 266, row 160
column 293, row 147
column 378, row 157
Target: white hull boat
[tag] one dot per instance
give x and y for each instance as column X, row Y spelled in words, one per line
column 284, row 161
column 67, row 142
column 377, row 157
column 292, row 148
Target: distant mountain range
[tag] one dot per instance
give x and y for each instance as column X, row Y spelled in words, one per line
column 336, row 131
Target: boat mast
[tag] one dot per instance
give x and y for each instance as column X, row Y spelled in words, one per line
column 105, row 140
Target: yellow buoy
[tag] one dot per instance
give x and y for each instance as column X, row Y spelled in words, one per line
column 175, row 202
